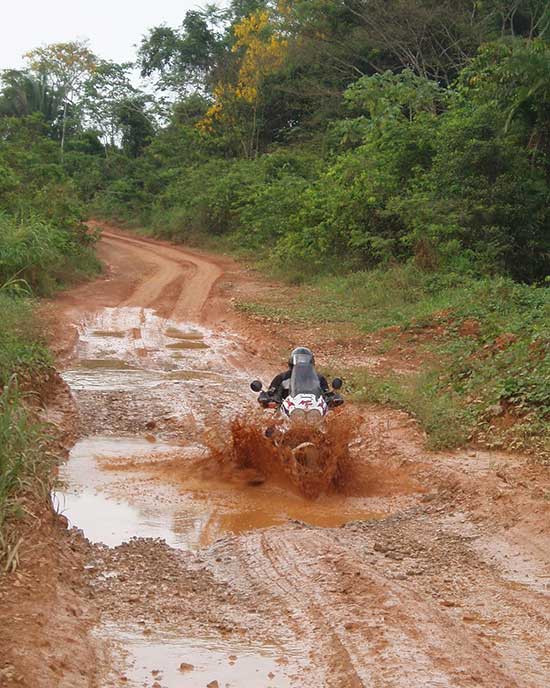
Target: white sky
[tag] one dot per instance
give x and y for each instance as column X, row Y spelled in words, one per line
column 113, row 27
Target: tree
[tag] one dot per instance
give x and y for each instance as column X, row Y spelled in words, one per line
column 24, row 94
column 514, row 75
column 237, row 105
column 184, row 60
column 65, row 66
column 135, row 124
column 434, row 38
column 516, row 18
column 106, row 88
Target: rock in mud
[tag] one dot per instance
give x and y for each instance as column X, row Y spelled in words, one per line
column 448, row 603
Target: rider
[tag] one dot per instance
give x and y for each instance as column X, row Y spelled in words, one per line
column 280, row 385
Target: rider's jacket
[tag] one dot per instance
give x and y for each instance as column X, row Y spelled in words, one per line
column 280, row 385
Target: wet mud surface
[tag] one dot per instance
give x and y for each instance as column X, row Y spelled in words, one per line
column 206, row 562
column 165, row 469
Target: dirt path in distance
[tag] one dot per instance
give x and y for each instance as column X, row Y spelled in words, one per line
column 429, row 570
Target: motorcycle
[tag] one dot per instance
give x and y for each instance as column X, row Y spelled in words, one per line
column 298, row 429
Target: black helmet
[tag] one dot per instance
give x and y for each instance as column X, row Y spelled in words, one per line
column 301, row 355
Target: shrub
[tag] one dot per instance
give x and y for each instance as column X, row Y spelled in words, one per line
column 40, row 254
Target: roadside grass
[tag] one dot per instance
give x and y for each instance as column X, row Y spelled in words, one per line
column 485, row 344
column 21, row 345
column 25, row 465
column 400, row 295
column 440, row 413
column 35, row 254
column 36, row 258
column 25, row 468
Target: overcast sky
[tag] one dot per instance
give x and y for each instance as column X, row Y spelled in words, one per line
column 113, row 27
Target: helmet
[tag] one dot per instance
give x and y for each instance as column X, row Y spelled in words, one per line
column 301, row 355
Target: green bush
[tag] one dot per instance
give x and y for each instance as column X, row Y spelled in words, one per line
column 41, row 255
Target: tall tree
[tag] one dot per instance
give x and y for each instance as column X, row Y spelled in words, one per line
column 103, row 92
column 238, row 102
column 24, row 93
column 185, row 59
column 66, row 66
column 135, row 124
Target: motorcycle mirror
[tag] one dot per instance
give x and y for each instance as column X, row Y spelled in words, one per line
column 337, row 383
column 256, row 386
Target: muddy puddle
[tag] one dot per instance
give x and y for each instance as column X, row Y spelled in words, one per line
column 126, row 372
column 113, row 378
column 107, row 333
column 174, row 660
column 190, row 333
column 114, row 489
column 187, row 344
column 190, row 375
column 118, row 486
column 87, row 499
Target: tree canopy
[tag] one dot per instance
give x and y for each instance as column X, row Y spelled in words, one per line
column 366, row 131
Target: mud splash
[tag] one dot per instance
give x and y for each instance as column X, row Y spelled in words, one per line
column 273, row 450
column 120, row 488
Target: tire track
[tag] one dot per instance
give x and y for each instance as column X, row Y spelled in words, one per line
column 200, row 276
column 362, row 627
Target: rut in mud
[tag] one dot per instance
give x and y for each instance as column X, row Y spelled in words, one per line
column 209, row 566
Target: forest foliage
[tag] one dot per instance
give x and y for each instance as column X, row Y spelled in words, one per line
column 322, row 134
column 353, row 133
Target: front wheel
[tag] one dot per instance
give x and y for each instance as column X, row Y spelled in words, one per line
column 306, row 454
column 335, row 400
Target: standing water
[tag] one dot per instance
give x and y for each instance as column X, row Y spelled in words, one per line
column 147, row 390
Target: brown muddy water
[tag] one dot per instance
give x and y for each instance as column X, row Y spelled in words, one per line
column 170, row 660
column 116, row 488
column 138, row 472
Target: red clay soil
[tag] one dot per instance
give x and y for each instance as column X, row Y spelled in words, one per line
column 449, row 586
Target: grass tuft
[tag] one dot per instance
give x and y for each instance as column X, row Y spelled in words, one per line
column 25, row 467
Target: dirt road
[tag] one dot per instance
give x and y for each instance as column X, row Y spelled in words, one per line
column 431, row 570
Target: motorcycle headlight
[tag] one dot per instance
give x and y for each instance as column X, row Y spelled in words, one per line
column 298, row 413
